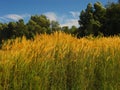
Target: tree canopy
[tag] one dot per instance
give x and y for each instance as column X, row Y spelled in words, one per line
column 37, row 24
column 97, row 19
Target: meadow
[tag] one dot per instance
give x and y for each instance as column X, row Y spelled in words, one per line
column 60, row 62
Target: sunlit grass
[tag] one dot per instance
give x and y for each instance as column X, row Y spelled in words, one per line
column 60, row 62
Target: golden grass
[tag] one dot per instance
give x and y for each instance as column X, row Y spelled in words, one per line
column 60, row 62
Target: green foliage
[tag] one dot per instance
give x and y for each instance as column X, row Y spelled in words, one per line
column 91, row 19
column 21, row 29
column 41, row 20
column 112, row 24
column 70, row 30
column 37, row 24
column 98, row 19
column 65, row 29
column 73, row 29
column 55, row 26
column 86, row 16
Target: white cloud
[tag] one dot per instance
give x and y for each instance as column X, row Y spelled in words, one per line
column 75, row 14
column 3, row 19
column 14, row 17
column 64, row 19
column 70, row 23
column 51, row 15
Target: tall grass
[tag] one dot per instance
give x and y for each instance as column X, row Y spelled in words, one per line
column 60, row 62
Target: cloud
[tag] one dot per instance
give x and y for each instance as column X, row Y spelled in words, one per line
column 51, row 16
column 64, row 19
column 70, row 23
column 75, row 14
column 13, row 17
column 3, row 19
column 69, row 19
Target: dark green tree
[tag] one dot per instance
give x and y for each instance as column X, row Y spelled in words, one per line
column 1, row 32
column 112, row 23
column 4, row 32
column 99, row 18
column 91, row 20
column 38, row 25
column 65, row 29
column 73, row 29
column 10, row 30
column 99, row 12
column 86, row 16
column 33, row 28
column 85, row 21
column 21, row 29
column 41, row 20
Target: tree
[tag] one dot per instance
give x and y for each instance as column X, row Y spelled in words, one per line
column 73, row 29
column 55, row 26
column 10, row 30
column 86, row 16
column 112, row 23
column 41, row 20
column 99, row 12
column 38, row 24
column 99, row 18
column 21, row 29
column 91, row 19
column 4, row 32
column 33, row 28
column 1, row 34
column 85, row 19
column 65, row 29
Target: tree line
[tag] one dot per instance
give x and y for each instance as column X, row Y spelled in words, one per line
column 100, row 20
column 37, row 24
column 94, row 20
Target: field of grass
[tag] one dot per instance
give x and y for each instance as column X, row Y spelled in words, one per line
column 60, row 62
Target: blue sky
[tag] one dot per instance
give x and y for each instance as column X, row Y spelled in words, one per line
column 65, row 11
